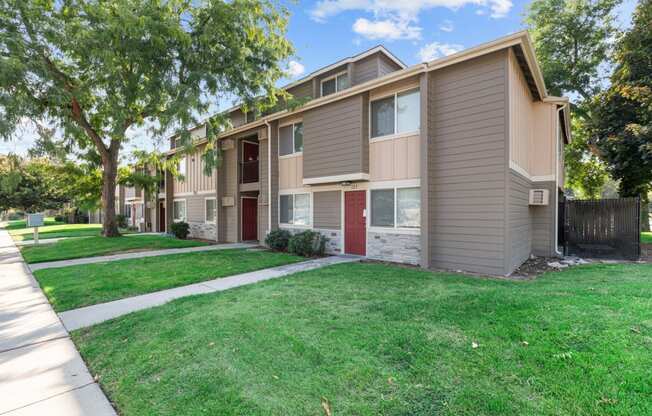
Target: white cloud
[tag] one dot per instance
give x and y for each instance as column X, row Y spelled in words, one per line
column 402, row 10
column 386, row 29
column 446, row 26
column 295, row 69
column 436, row 50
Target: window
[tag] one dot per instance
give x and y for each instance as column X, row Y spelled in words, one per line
column 128, row 210
column 290, row 139
column 295, row 209
column 179, row 210
column 396, row 208
column 398, row 113
column 210, row 205
column 334, row 84
column 139, row 211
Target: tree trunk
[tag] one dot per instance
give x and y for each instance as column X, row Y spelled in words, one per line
column 109, row 175
column 645, row 213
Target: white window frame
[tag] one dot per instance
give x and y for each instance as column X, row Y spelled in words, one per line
column 131, row 209
column 183, row 162
column 310, row 210
column 394, row 135
column 185, row 203
column 337, row 84
column 294, row 153
column 395, row 227
column 212, row 198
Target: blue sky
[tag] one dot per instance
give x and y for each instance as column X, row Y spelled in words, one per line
column 326, row 31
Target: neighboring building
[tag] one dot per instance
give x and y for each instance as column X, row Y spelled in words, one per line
column 453, row 164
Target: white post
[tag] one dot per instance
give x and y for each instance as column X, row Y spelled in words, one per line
column 36, row 235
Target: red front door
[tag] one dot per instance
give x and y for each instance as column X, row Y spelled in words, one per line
column 355, row 229
column 161, row 218
column 249, row 219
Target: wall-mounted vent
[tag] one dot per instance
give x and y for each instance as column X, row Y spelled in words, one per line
column 539, row 196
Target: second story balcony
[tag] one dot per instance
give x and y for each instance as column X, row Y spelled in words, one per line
column 249, row 171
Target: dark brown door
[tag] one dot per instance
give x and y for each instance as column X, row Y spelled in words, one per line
column 249, row 219
column 355, row 229
column 161, row 218
column 249, row 151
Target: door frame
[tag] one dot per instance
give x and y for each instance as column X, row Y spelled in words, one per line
column 242, row 216
column 366, row 218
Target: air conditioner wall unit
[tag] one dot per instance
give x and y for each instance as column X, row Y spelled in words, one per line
column 539, row 197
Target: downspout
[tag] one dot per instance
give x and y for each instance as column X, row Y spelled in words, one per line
column 557, row 181
column 269, row 176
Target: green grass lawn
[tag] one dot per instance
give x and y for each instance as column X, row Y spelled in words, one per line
column 18, row 224
column 76, row 286
column 371, row 339
column 54, row 231
column 646, row 238
column 101, row 246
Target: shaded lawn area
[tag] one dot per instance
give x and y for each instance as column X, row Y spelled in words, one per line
column 370, row 339
column 101, row 246
column 19, row 224
column 55, row 231
column 646, row 238
column 76, row 286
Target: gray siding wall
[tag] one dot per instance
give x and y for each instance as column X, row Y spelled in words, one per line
column 228, row 216
column 467, row 165
column 365, row 69
column 302, row 90
column 263, row 196
column 520, row 219
column 273, row 203
column 327, row 207
column 544, row 223
column 195, row 207
column 335, row 138
column 386, row 65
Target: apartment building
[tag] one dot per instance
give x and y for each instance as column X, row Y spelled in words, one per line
column 453, row 164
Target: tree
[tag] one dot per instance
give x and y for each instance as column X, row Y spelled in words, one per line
column 586, row 174
column 622, row 115
column 31, row 185
column 96, row 69
column 572, row 41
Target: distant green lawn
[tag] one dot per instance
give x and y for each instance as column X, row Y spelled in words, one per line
column 101, row 246
column 646, row 238
column 76, row 286
column 18, row 224
column 55, row 231
column 371, row 339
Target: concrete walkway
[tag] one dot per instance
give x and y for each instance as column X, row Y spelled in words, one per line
column 41, row 372
column 136, row 255
column 91, row 315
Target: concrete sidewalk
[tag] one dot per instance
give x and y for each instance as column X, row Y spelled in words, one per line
column 136, row 255
column 91, row 315
column 41, row 372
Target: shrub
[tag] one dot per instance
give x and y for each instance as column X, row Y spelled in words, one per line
column 121, row 220
column 59, row 218
column 180, row 229
column 278, row 240
column 308, row 244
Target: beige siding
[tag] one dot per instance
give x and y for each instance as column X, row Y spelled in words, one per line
column 194, row 179
column 402, row 85
column 467, row 165
column 228, row 215
column 195, row 207
column 544, row 223
column 386, row 66
column 263, row 197
column 327, row 207
column 335, row 138
column 273, row 203
column 290, row 172
column 394, row 159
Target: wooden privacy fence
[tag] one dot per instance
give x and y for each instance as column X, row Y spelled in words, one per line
column 604, row 228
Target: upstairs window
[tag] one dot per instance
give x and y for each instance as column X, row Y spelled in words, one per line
column 397, row 114
column 334, row 84
column 290, row 140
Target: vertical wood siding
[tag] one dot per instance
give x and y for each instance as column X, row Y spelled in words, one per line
column 327, row 210
column 395, row 159
column 194, row 178
column 263, row 196
column 335, row 137
column 302, row 90
column 468, row 165
column 386, row 65
column 290, row 172
column 365, row 69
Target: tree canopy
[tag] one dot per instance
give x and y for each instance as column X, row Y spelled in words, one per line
column 95, row 69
